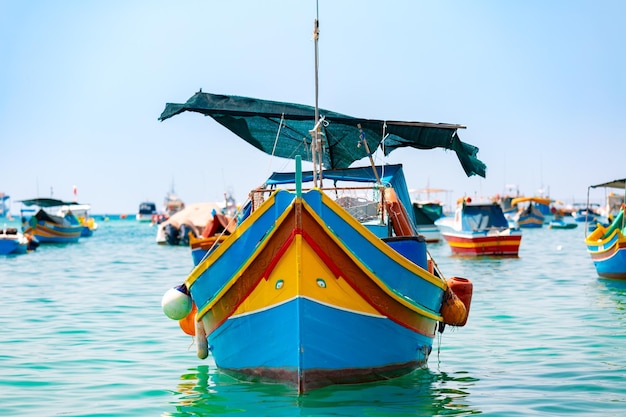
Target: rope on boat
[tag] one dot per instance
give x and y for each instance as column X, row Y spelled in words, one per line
column 280, row 126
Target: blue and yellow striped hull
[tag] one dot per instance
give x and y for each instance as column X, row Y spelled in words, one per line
column 608, row 252
column 49, row 232
column 303, row 293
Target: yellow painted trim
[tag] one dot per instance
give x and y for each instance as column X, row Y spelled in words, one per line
column 376, row 241
column 398, row 258
column 250, row 259
column 317, row 282
column 593, row 240
column 239, row 230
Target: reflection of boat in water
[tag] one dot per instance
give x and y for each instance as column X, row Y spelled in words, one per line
column 479, row 228
column 147, row 210
column 48, row 227
column 433, row 393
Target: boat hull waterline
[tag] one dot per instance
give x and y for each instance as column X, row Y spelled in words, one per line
column 307, row 283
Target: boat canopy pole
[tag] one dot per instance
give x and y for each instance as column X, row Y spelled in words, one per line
column 363, row 141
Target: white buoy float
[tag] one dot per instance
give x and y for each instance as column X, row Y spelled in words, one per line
column 176, row 302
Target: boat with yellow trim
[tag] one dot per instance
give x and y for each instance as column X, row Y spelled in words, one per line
column 325, row 279
column 479, row 229
column 47, row 226
column 530, row 211
column 607, row 244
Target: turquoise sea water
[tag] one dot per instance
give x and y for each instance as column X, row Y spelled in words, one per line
column 83, row 334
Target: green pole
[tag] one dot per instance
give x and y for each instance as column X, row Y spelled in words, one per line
column 298, row 176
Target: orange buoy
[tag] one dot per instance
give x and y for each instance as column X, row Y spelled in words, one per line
column 188, row 323
column 453, row 310
column 462, row 288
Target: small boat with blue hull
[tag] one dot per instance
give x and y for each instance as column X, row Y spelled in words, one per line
column 325, row 266
column 48, row 227
column 562, row 224
column 607, row 244
column 14, row 242
column 479, row 229
column 531, row 211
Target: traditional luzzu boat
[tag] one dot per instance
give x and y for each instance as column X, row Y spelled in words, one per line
column 324, row 280
column 529, row 214
column 82, row 212
column 607, row 244
column 318, row 285
column 48, row 227
column 480, row 229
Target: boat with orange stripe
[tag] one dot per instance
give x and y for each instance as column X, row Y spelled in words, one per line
column 324, row 280
column 479, row 229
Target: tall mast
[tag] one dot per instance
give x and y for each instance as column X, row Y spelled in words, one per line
column 316, row 148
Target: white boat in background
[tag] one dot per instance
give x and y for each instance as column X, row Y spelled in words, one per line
column 426, row 212
column 172, row 204
column 147, row 210
column 81, row 211
column 192, row 219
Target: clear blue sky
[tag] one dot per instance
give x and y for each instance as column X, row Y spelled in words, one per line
column 540, row 85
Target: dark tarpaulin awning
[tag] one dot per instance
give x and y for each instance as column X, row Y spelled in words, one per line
column 259, row 121
column 612, row 184
column 47, row 202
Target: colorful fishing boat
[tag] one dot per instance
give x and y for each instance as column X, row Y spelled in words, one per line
column 559, row 220
column 82, row 212
column 479, row 229
column 14, row 242
column 48, row 227
column 333, row 279
column 607, row 244
column 530, row 211
column 561, row 224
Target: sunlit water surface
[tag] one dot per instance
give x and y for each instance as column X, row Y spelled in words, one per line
column 83, row 334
